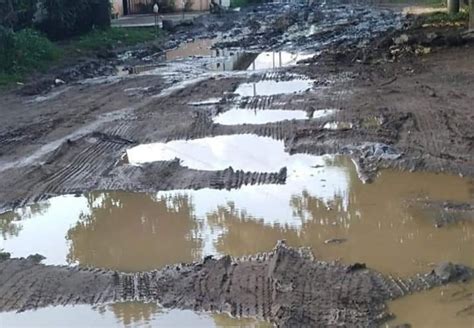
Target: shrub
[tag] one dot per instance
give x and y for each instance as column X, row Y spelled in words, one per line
column 25, row 50
column 7, row 44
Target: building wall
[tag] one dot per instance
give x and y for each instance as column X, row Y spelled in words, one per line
column 117, row 7
column 198, row 5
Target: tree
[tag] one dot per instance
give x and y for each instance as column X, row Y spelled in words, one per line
column 471, row 15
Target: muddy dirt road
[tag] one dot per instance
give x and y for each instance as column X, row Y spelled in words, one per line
column 265, row 122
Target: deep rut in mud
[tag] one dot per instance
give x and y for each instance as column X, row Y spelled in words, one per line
column 286, row 287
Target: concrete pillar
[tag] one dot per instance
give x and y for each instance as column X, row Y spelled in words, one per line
column 453, row 6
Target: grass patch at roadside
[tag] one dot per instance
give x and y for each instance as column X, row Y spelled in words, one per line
column 27, row 51
column 112, row 38
column 444, row 17
column 430, row 3
column 244, row 3
column 23, row 52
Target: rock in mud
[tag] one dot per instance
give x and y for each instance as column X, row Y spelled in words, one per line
column 286, row 286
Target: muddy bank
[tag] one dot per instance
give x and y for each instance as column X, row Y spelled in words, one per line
column 286, row 287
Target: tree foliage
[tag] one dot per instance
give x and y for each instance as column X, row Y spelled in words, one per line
column 66, row 18
column 17, row 13
column 57, row 18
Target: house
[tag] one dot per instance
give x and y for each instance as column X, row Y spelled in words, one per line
column 131, row 7
column 134, row 7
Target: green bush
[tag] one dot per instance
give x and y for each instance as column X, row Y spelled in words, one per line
column 24, row 51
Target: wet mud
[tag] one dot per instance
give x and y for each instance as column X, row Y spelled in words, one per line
column 286, row 287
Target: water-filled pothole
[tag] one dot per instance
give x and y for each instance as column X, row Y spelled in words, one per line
column 237, row 116
column 338, row 125
column 273, row 87
column 330, row 210
column 128, row 314
column 244, row 152
column 232, row 60
column 199, row 47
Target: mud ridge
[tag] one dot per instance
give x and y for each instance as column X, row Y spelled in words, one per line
column 93, row 163
column 286, row 286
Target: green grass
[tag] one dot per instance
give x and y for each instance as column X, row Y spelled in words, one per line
column 238, row 3
column 8, row 79
column 112, row 38
column 243, row 3
column 432, row 3
column 29, row 51
column 443, row 17
column 24, row 52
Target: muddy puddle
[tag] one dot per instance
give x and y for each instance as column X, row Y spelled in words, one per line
column 254, row 116
column 244, row 152
column 237, row 116
column 238, row 60
column 216, row 59
column 200, row 47
column 323, row 205
column 273, row 87
column 337, row 125
column 121, row 314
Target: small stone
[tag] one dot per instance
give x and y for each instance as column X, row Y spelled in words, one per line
column 59, row 82
column 402, row 39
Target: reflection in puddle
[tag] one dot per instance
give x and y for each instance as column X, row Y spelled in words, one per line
column 272, row 87
column 231, row 60
column 270, row 60
column 337, row 125
column 236, row 116
column 244, row 152
column 131, row 231
column 200, row 47
column 129, row 314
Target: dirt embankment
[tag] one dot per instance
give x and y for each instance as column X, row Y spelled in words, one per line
column 286, row 287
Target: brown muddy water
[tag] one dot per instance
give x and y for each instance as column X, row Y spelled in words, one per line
column 122, row 314
column 322, row 205
column 200, row 47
